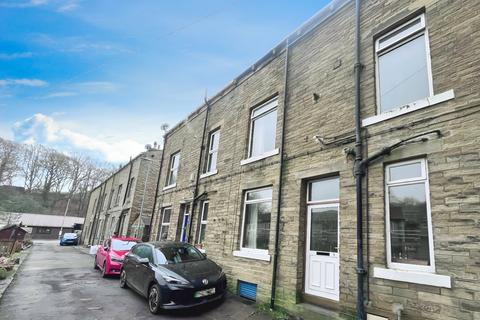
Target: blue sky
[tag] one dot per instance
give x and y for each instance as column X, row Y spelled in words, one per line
column 100, row 77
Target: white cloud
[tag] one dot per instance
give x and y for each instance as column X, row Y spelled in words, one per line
column 77, row 44
column 46, row 130
column 69, row 6
column 23, row 82
column 23, row 4
column 59, row 95
column 16, row 55
column 96, row 86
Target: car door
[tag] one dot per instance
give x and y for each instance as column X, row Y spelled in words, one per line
column 103, row 252
column 131, row 266
column 144, row 270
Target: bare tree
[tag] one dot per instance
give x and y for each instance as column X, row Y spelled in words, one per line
column 31, row 165
column 54, row 166
column 8, row 161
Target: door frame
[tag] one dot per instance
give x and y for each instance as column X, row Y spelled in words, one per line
column 326, row 204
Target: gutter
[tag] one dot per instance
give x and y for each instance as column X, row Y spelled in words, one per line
column 280, row 180
column 199, row 168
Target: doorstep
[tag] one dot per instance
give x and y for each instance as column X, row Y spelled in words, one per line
column 308, row 311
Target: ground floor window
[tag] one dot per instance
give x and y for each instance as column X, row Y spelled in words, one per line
column 408, row 216
column 203, row 223
column 256, row 219
column 44, row 230
column 165, row 224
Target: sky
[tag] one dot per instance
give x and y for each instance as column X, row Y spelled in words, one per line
column 101, row 77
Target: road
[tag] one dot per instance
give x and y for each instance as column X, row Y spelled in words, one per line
column 60, row 283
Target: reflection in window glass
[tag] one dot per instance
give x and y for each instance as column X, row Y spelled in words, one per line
column 256, row 228
column 403, row 75
column 263, row 133
column 324, row 229
column 409, row 224
column 325, row 189
column 406, row 171
column 164, row 226
column 203, row 223
column 173, row 254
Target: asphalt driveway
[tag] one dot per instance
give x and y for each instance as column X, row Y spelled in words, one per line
column 60, row 283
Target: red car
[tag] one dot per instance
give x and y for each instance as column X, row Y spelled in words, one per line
column 110, row 255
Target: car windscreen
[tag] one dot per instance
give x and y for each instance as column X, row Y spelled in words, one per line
column 122, row 245
column 177, row 254
column 70, row 236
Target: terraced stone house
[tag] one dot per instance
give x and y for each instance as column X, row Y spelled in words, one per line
column 262, row 176
column 123, row 203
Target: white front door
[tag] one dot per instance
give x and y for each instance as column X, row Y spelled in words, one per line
column 322, row 263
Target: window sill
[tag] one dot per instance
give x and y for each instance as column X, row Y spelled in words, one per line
column 259, row 157
column 208, row 174
column 257, row 255
column 417, row 105
column 169, row 187
column 430, row 279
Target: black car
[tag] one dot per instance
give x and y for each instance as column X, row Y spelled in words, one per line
column 172, row 275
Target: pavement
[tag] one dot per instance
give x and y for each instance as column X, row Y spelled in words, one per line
column 58, row 282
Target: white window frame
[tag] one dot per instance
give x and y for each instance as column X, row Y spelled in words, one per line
column 203, row 222
column 260, row 254
column 171, row 169
column 423, row 178
column 163, row 223
column 269, row 106
column 211, row 151
column 396, row 41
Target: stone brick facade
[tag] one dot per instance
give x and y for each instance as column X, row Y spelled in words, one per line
column 116, row 204
column 314, row 87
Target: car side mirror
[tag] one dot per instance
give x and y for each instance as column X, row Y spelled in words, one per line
column 143, row 261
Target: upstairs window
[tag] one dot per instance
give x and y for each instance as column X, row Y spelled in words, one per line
column 173, row 169
column 403, row 65
column 110, row 198
column 119, row 193
column 263, row 129
column 130, row 187
column 213, row 142
column 408, row 216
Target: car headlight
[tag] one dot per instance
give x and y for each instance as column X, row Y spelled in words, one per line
column 173, row 280
column 116, row 258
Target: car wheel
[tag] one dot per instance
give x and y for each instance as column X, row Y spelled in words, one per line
column 154, row 299
column 123, row 280
column 104, row 271
column 95, row 265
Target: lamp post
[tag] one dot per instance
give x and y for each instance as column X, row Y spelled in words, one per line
column 143, row 195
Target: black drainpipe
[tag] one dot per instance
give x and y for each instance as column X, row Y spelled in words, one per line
column 156, row 191
column 359, row 172
column 280, row 178
column 199, row 168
